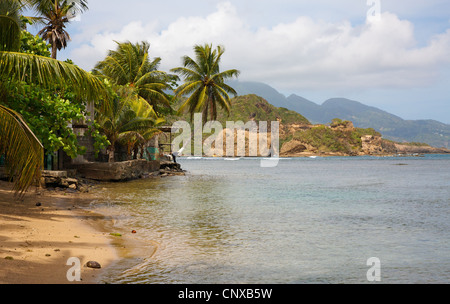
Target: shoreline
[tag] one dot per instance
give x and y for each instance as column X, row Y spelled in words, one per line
column 36, row 240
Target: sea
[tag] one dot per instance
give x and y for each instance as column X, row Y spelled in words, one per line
column 330, row 220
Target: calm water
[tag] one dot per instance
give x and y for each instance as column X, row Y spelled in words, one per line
column 305, row 221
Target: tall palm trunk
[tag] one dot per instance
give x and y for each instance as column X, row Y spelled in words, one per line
column 54, row 50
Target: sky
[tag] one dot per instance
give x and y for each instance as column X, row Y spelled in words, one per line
column 390, row 54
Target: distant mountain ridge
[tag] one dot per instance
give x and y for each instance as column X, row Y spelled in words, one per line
column 392, row 127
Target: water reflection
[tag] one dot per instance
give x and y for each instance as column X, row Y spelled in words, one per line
column 305, row 221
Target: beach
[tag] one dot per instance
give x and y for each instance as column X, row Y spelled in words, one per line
column 42, row 231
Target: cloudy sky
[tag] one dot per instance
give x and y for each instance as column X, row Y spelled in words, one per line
column 397, row 60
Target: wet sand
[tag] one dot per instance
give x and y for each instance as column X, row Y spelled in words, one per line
column 37, row 241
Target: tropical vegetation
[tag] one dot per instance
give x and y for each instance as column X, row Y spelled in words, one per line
column 128, row 121
column 24, row 165
column 41, row 97
column 131, row 68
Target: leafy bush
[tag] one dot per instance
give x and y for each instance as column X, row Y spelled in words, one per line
column 49, row 113
column 35, row 45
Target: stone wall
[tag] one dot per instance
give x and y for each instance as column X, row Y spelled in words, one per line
column 119, row 171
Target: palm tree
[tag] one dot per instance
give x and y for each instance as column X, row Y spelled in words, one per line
column 24, row 152
column 205, row 82
column 55, row 14
column 145, row 130
column 121, row 121
column 130, row 66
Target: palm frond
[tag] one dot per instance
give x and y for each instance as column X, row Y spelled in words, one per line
column 129, row 65
column 187, row 88
column 221, row 96
column 188, row 74
column 10, row 25
column 24, row 152
column 50, row 72
column 202, row 99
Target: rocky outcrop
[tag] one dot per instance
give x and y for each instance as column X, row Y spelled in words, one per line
column 344, row 133
column 170, row 168
column 419, row 149
column 375, row 145
column 297, row 148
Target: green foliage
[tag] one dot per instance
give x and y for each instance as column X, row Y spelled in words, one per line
column 100, row 140
column 48, row 114
column 10, row 25
column 130, row 69
column 323, row 138
column 252, row 107
column 35, row 45
column 23, row 150
column 333, row 139
column 127, row 120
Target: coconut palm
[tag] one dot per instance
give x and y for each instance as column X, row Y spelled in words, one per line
column 205, row 83
column 24, row 152
column 55, row 14
column 130, row 66
column 135, row 141
column 122, row 122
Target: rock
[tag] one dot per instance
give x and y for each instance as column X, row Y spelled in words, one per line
column 54, row 174
column 72, row 181
column 73, row 186
column 169, row 166
column 64, row 183
column 83, row 189
column 51, row 180
column 93, row 264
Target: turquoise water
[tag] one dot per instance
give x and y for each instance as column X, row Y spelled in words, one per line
column 304, row 221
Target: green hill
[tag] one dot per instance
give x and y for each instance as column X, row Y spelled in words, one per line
column 252, row 107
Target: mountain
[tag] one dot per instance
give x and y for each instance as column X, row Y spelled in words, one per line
column 392, row 127
column 261, row 89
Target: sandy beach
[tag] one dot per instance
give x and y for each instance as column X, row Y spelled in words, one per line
column 41, row 232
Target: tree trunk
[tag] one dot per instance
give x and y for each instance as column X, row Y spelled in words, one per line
column 54, row 50
column 111, row 152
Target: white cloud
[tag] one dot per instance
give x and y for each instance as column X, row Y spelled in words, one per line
column 302, row 54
